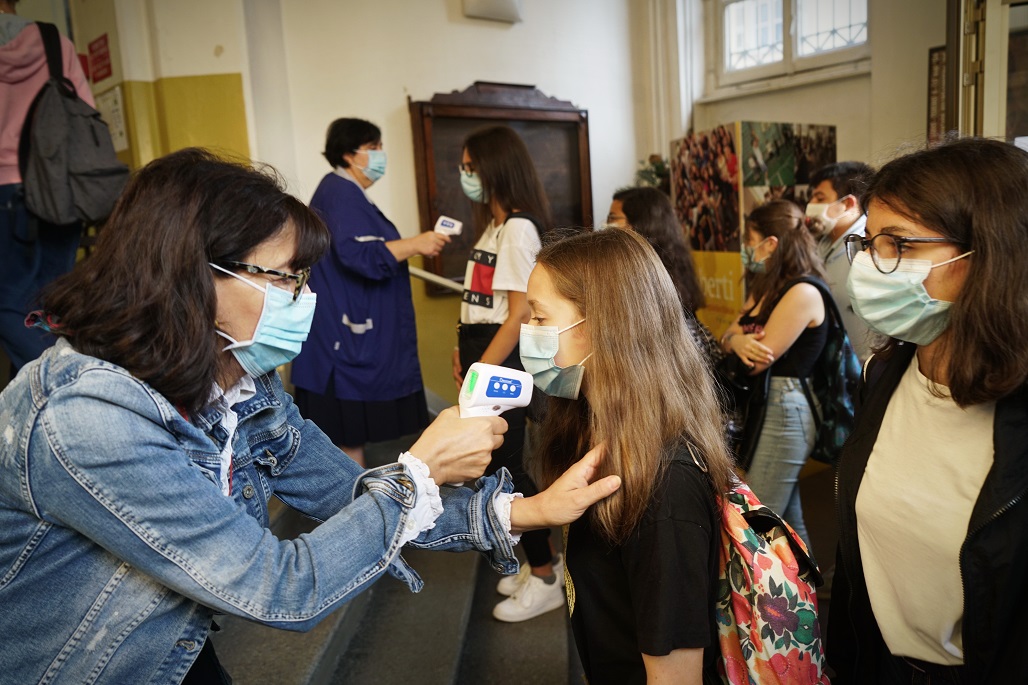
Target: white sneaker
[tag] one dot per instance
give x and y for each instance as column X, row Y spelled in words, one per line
column 532, row 598
column 508, row 585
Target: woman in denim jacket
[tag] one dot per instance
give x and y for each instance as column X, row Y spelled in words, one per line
column 138, row 455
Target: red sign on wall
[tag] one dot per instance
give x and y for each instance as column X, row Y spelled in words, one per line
column 99, row 59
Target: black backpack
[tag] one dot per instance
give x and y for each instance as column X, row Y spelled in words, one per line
column 66, row 157
column 834, row 383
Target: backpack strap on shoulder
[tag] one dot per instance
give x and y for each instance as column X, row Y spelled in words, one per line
column 52, row 45
column 525, row 215
column 54, row 58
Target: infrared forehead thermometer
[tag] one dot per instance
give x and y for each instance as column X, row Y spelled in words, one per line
column 490, row 390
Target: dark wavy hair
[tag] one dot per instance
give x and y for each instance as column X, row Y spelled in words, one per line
column 847, row 178
column 508, row 175
column 345, row 136
column 796, row 254
column 145, row 300
column 651, row 215
column 973, row 191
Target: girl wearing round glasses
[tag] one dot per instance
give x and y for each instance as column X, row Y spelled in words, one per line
column 140, row 453
column 782, row 329
column 932, row 483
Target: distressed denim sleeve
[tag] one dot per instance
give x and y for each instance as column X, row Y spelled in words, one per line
column 103, row 463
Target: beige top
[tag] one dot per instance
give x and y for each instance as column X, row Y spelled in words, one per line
column 913, row 507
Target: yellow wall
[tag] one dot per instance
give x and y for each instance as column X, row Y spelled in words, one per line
column 205, row 111
column 436, row 317
column 182, row 81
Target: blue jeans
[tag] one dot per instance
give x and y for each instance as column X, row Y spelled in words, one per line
column 786, row 440
column 28, row 263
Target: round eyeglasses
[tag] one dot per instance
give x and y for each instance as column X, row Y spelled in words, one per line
column 886, row 249
column 299, row 281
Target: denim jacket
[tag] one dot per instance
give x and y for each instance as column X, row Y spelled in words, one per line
column 117, row 545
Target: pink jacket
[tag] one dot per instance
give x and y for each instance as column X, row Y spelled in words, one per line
column 22, row 73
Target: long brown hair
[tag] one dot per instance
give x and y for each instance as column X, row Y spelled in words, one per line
column 145, row 300
column 508, row 175
column 649, row 390
column 973, row 191
column 796, row 254
column 650, row 213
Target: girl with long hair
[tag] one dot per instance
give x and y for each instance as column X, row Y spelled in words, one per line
column 933, row 551
column 498, row 176
column 608, row 342
column 781, row 330
column 648, row 212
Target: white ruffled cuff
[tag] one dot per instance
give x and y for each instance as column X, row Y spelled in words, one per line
column 502, row 502
column 428, row 505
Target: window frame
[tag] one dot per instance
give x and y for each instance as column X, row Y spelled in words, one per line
column 791, row 62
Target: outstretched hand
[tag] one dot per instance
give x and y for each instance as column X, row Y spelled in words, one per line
column 567, row 498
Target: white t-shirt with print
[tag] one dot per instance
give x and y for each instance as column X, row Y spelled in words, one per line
column 501, row 261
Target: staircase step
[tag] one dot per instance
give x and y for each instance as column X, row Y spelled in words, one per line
column 533, row 652
column 414, row 638
column 252, row 653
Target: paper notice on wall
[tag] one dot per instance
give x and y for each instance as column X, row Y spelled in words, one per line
column 109, row 104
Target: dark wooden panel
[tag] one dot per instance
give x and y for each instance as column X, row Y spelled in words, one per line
column 555, row 132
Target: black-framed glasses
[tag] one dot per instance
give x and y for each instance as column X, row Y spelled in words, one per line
column 299, row 280
column 886, row 249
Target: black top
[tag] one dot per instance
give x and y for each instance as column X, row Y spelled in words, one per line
column 802, row 355
column 653, row 594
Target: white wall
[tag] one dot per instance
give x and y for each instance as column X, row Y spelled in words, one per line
column 363, row 59
column 901, row 34
column 876, row 114
column 844, row 103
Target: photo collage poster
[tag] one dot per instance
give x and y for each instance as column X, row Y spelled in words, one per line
column 719, row 176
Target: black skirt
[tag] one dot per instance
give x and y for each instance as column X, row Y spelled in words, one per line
column 352, row 423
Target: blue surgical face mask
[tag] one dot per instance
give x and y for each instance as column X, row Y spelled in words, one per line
column 538, row 346
column 281, row 330
column 897, row 304
column 749, row 264
column 471, row 184
column 376, row 167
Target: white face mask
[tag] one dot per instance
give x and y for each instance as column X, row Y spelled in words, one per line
column 818, row 211
column 897, row 304
column 538, row 346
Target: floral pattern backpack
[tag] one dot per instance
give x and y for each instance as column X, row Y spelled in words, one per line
column 766, row 605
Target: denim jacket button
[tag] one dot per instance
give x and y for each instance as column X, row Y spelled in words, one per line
column 248, row 492
column 272, row 462
column 188, row 645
